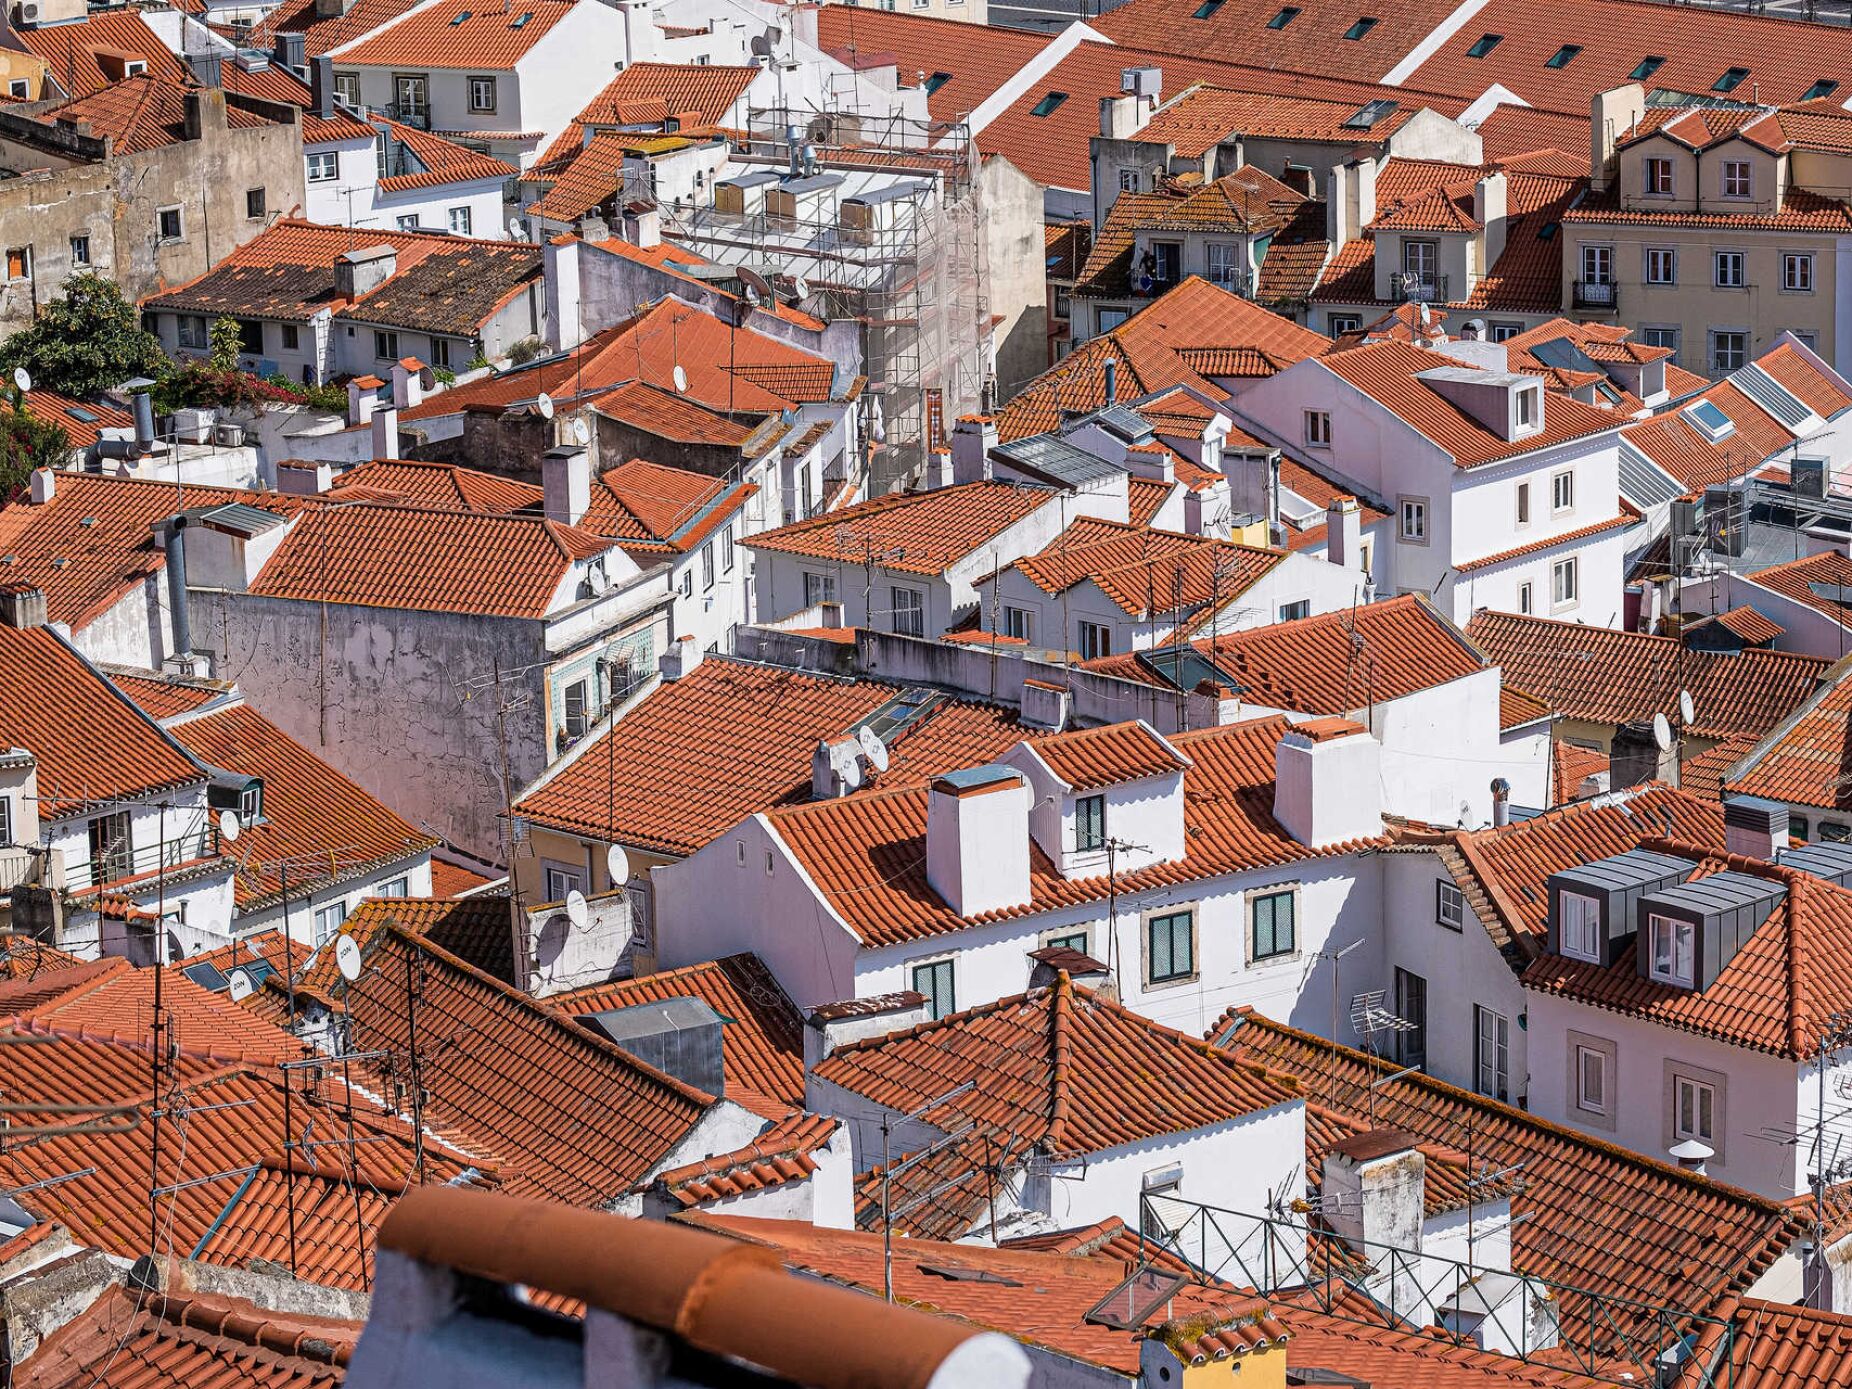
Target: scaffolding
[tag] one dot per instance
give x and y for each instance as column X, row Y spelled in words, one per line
column 875, row 220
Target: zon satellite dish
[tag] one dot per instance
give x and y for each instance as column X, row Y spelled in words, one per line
column 1687, row 711
column 1662, row 733
column 581, row 433
column 576, row 910
column 852, row 774
column 680, row 377
column 347, row 957
column 617, row 864
column 544, row 404
column 801, row 286
column 22, row 378
column 873, row 748
column 515, row 230
column 229, row 826
column 240, row 986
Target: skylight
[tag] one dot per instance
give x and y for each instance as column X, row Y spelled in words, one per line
column 1048, row 105
column 522, row 19
column 1710, row 421
column 1647, row 67
column 1824, row 87
column 1730, row 80
column 1208, row 7
column 1287, row 14
column 1563, row 56
column 1369, row 114
column 460, row 17
column 1360, row 28
column 936, row 81
column 1484, row 45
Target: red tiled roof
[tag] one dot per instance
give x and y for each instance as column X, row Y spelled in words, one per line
column 450, row 34
column 150, row 1340
column 1059, row 1070
column 977, row 61
column 1774, row 1345
column 914, row 532
column 648, row 94
column 1138, row 568
column 1805, row 761
column 1092, row 758
column 733, row 738
column 320, row 34
column 762, row 1050
column 1238, row 32
column 453, row 880
column 86, row 57
column 786, row 1152
column 439, row 485
column 1246, row 201
column 1200, row 118
column 670, row 417
column 1655, row 1234
column 113, row 751
column 324, row 824
column 140, row 113
column 1603, row 675
column 387, row 556
column 657, row 507
column 1825, row 396
column 1516, row 708
column 445, row 162
column 163, row 696
column 1570, row 766
column 866, row 853
column 1628, row 517
column 1794, row 580
column 63, row 411
column 1801, row 210
column 1515, row 130
column 1745, row 623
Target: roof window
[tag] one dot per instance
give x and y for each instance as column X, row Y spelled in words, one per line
column 1823, row 88
column 1360, row 28
column 1709, row 420
column 461, row 15
column 936, row 81
column 1208, row 8
column 1730, row 80
column 1563, row 56
column 1369, row 114
column 1049, row 104
column 1484, row 45
column 522, row 19
column 1287, row 14
column 1646, row 68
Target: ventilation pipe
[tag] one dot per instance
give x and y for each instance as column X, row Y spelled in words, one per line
column 143, row 405
column 1501, row 802
column 1692, row 1155
column 170, row 531
column 1112, row 380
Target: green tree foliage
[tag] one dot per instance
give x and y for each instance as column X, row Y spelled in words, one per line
column 227, row 341
column 89, row 340
column 28, row 442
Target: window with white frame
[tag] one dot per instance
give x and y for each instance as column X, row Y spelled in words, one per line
column 1562, row 492
column 328, row 920
column 1694, row 1110
column 726, row 548
column 1661, row 265
column 1662, row 335
column 1797, row 273
column 1671, row 946
column 934, row 979
column 169, row 224
column 1504, row 331
column 1341, row 323
column 6, row 821
column 1523, row 503
column 909, row 606
column 1414, row 513
column 818, row 588
column 1018, row 623
column 347, row 88
column 459, row 221
column 1733, row 179
column 1729, row 350
column 1732, row 269
column 1529, row 406
column 1225, row 265
column 1295, row 610
column 1411, row 1006
column 1578, row 926
column 324, row 166
column 1449, row 905
column 686, row 584
column 1656, row 180
column 482, row 93
column 80, row 250
column 408, row 222
column 1563, row 583
column 1525, row 600
column 398, row 887
column 1318, row 429
column 1095, row 640
column 1598, row 265
column 574, row 699
column 1491, row 1053
column 1170, row 947
column 1591, row 1080
column 385, row 345
column 562, row 881
column 707, row 566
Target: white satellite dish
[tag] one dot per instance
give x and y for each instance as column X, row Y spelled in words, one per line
column 852, row 774
column 22, row 378
column 576, row 910
column 544, row 404
column 581, row 432
column 873, row 748
column 347, row 957
column 516, row 230
column 754, row 282
column 617, row 863
column 680, row 377
column 229, row 826
column 801, row 285
column 1662, row 732
column 240, row 986
column 1687, row 711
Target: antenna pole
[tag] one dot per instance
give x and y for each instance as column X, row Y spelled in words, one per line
column 289, row 1166
column 412, row 987
column 517, row 936
column 154, row 1077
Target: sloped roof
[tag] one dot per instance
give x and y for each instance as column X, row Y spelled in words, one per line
column 1744, row 623
column 1825, row 396
column 476, row 930
column 1604, row 675
column 85, row 57
column 140, row 113
column 1092, row 758
column 445, row 161
column 440, row 485
column 911, row 532
column 785, row 1152
column 735, row 737
column 322, row 33
column 1246, row 201
column 1795, row 580
column 1140, row 569
column 450, row 34
column 649, row 94
column 651, row 507
column 1806, row 760
column 83, row 421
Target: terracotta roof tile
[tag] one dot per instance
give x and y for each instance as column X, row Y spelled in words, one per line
column 1138, row 568
column 1111, row 755
column 1795, row 580
column 930, row 530
column 1801, row 210
column 661, row 508
column 1745, row 623
column 733, row 738
column 475, row 930
column 1774, row 1344
column 866, row 853
column 1570, row 767
column 1247, row 201
column 1144, row 498
column 163, row 696
column 453, row 880
column 85, row 57
column 445, row 161
column 786, row 1152
column 1516, row 708
column 439, row 485
column 1603, row 675
column 450, row 34
column 140, row 114
column 762, row 1050
column 322, row 33
column 651, row 93
column 1804, row 761
column 82, row 421
column 1628, row 517
column 1513, row 130
column 1825, row 396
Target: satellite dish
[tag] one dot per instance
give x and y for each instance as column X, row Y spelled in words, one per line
column 544, row 404
column 427, row 379
column 516, row 230
column 761, row 46
column 347, row 957
column 22, row 378
column 873, row 748
column 801, row 285
column 241, row 986
column 755, row 283
column 680, row 377
column 576, row 910
column 581, row 432
column 229, row 826
column 1687, row 711
column 852, row 774
column 617, row 864
column 1662, row 733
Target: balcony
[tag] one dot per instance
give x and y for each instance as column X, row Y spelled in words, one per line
column 417, row 117
column 143, row 861
column 1417, row 288
column 1603, row 295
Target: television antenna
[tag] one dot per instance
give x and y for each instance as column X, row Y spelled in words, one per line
column 1369, row 1017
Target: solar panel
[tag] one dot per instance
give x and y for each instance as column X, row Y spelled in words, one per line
column 1771, row 395
column 1564, row 355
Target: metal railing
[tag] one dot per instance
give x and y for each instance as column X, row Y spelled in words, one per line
column 1418, row 288
column 142, row 859
column 1596, row 294
column 417, row 117
column 1613, row 1339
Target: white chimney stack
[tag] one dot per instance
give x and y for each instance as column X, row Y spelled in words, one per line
column 683, row 655
column 1374, row 1198
column 566, row 480
column 1754, row 828
column 1327, row 783
column 973, row 437
column 977, row 839
column 362, row 398
column 386, row 432
column 408, row 383
column 44, row 486
column 1344, row 533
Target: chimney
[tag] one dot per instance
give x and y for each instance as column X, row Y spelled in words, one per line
column 362, row 398
column 1754, row 828
column 1112, row 380
column 1611, row 115
column 643, row 226
column 171, row 533
column 566, row 479
column 321, row 79
column 1501, row 802
column 1298, row 177
column 1351, row 205
column 208, row 68
column 291, row 51
column 44, row 486
column 332, row 9
column 358, row 273
column 1491, row 200
column 302, row 478
column 836, row 769
column 142, row 403
column 1276, row 533
column 594, row 229
column 1344, row 533
column 832, row 1025
column 22, row 606
column 682, row 656
column 938, row 469
column 1692, row 1156
column 1045, row 705
column 973, row 437
column 407, row 383
column 1119, row 116
column 1374, row 1198
column 386, row 432
column 1327, row 786
column 977, row 839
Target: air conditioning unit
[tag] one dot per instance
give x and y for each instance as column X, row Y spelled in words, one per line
column 228, row 436
column 28, row 14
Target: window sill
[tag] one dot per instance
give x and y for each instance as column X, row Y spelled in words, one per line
column 1154, row 986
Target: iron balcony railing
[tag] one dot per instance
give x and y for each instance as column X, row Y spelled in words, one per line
column 1596, row 294
column 1429, row 288
column 116, row 863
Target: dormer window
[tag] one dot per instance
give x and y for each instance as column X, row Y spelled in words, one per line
column 1671, row 951
column 134, row 68
column 251, row 803
column 1657, row 178
column 1090, row 824
column 1579, row 926
column 1529, row 407
column 1734, row 180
